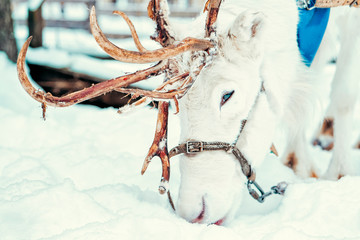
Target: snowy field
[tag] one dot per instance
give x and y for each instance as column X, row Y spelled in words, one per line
column 77, row 174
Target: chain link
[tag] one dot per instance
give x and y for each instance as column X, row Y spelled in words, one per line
column 259, row 194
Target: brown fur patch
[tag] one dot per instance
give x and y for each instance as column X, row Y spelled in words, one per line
column 292, row 161
column 327, row 128
column 313, row 175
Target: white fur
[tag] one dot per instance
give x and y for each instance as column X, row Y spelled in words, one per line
column 257, row 43
column 345, row 88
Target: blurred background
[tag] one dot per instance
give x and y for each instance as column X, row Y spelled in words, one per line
column 63, row 56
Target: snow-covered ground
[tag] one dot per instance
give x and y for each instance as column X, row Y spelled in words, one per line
column 77, row 176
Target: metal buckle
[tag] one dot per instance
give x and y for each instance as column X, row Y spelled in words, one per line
column 194, row 147
column 305, row 4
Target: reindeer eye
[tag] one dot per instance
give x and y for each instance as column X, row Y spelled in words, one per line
column 226, row 96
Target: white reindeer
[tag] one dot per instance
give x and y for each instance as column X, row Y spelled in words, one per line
column 258, row 46
column 252, row 82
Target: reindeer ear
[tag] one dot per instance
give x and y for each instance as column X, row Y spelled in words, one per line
column 247, row 26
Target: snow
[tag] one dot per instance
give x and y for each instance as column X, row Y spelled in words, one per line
column 77, row 176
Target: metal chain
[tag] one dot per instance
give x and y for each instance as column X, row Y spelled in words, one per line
column 260, row 195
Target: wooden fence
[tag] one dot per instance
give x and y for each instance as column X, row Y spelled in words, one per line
column 36, row 22
column 188, row 9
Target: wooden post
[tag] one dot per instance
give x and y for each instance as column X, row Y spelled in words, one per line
column 36, row 25
column 7, row 39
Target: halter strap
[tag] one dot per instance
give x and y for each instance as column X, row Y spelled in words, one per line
column 193, row 147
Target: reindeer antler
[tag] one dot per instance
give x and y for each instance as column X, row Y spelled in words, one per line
column 86, row 93
column 159, row 145
column 120, row 54
column 144, row 56
column 212, row 6
column 167, row 63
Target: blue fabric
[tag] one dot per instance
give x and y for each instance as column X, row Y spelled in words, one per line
column 311, row 29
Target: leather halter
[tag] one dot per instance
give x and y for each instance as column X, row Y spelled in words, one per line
column 193, row 147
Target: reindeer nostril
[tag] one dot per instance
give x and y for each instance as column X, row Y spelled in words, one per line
column 201, row 215
column 220, row 222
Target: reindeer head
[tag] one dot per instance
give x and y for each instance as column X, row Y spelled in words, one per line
column 224, row 96
column 214, row 80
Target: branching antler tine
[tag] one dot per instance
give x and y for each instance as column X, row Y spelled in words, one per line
column 86, row 93
column 173, row 80
column 158, row 11
column 176, row 102
column 134, row 35
column 151, row 94
column 190, row 80
column 186, row 82
column 141, row 102
column 24, row 80
column 212, row 16
column 188, row 44
column 159, row 146
column 144, row 100
column 206, row 7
